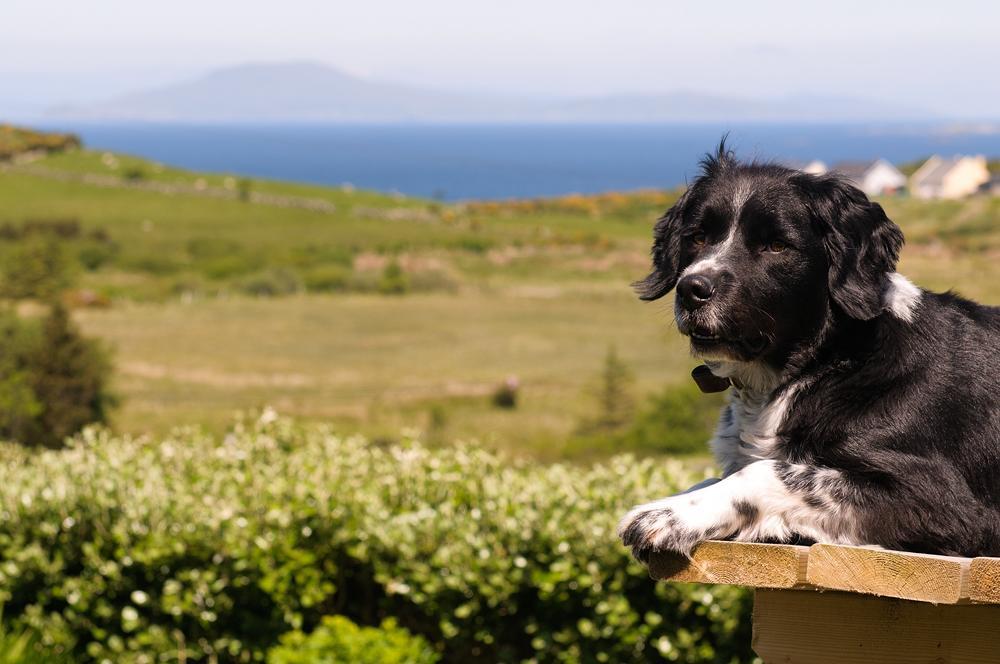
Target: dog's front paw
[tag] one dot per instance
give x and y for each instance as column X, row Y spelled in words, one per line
column 658, row 526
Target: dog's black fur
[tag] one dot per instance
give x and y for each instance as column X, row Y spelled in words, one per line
column 889, row 429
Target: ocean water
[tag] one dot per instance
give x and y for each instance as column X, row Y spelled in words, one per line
column 513, row 161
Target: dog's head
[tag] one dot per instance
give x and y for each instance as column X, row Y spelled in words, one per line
column 762, row 256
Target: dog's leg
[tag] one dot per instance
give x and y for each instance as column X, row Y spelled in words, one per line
column 765, row 501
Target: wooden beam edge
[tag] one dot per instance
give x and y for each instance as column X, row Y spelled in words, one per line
column 736, row 563
column 870, row 571
column 984, row 580
column 903, row 575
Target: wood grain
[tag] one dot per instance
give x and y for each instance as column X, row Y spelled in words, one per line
column 914, row 576
column 737, row 563
column 984, row 580
column 794, row 627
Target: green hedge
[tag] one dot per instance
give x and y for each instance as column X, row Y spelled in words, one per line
column 194, row 549
column 337, row 640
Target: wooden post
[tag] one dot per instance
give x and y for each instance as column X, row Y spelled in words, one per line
column 898, row 607
column 796, row 626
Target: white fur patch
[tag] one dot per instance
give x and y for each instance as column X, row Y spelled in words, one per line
column 750, row 505
column 761, row 416
column 901, row 297
column 748, row 426
column 714, row 259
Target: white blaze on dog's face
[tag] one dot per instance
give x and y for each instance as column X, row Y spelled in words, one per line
column 761, row 255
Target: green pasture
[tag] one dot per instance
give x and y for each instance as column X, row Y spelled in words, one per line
column 538, row 290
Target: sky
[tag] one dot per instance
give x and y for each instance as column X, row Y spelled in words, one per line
column 940, row 56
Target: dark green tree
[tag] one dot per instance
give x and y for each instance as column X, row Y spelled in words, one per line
column 19, row 405
column 69, row 375
column 53, row 381
column 614, row 395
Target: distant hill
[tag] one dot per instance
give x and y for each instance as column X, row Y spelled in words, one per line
column 310, row 92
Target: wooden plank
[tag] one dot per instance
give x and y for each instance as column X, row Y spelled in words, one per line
column 984, row 580
column 913, row 576
column 737, row 563
column 794, row 627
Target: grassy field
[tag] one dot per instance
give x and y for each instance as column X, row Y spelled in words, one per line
column 532, row 289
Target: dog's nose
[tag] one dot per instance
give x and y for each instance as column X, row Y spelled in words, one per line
column 695, row 290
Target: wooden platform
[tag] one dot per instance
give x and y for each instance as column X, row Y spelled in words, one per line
column 912, row 576
column 848, row 604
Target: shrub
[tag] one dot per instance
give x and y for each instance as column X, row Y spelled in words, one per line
column 160, row 263
column 94, row 255
column 197, row 549
column 505, row 394
column 36, row 268
column 327, row 278
column 244, row 189
column 53, row 381
column 271, row 283
column 393, row 280
column 63, row 228
column 337, row 640
column 615, row 403
column 679, row 419
column 227, row 267
column 134, row 174
column 19, row 405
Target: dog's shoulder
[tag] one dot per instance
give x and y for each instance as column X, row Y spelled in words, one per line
column 904, row 383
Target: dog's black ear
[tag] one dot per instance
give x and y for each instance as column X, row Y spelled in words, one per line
column 666, row 254
column 862, row 243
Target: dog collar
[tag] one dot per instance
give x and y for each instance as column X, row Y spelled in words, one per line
column 709, row 383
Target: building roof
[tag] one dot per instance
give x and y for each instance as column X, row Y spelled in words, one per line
column 934, row 170
column 854, row 170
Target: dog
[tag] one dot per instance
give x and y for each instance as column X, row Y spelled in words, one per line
column 862, row 409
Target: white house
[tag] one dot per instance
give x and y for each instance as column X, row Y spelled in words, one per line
column 953, row 177
column 872, row 177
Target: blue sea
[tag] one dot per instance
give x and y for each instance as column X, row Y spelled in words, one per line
column 511, row 161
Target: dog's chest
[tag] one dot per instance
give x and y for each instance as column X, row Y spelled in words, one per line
column 748, row 429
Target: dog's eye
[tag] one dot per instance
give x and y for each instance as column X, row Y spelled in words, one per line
column 699, row 239
column 776, row 246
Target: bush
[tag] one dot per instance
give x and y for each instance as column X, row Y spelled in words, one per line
column 205, row 550
column 94, row 255
column 327, row 279
column 244, row 189
column 505, row 394
column 160, row 263
column 36, row 268
column 678, row 420
column 339, row 641
column 393, row 280
column 52, row 380
column 614, row 401
column 134, row 173
column 227, row 267
column 271, row 283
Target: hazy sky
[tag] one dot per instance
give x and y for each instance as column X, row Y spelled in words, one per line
column 938, row 55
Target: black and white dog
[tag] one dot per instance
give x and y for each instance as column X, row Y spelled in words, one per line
column 862, row 410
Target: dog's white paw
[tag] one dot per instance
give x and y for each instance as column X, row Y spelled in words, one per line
column 665, row 525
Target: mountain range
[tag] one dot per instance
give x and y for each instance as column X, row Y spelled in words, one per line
column 311, row 92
